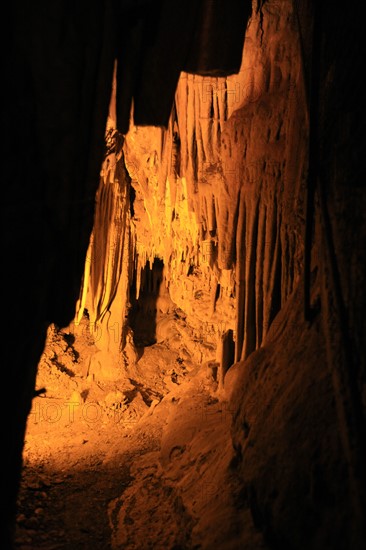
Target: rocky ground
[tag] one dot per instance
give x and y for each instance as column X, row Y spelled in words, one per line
column 140, row 462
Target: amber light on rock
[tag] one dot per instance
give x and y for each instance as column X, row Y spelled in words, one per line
column 203, row 386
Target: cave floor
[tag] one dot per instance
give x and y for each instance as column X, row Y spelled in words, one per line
column 138, row 462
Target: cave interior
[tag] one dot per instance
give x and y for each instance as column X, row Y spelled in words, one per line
column 187, row 178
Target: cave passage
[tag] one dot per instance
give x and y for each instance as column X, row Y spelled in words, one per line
column 185, row 398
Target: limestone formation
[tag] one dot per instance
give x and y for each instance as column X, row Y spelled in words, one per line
column 166, row 182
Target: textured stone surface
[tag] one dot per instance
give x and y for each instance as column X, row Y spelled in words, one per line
column 218, row 196
column 236, row 232
column 222, row 199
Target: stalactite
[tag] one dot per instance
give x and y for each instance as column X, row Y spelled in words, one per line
column 211, row 216
column 269, row 254
column 109, row 228
column 250, row 297
column 138, row 279
column 241, row 258
column 210, row 194
column 259, row 282
column 274, row 287
column 81, row 303
column 107, row 249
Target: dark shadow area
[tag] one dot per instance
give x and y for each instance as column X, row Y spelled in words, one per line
column 142, row 315
column 68, row 509
column 228, row 353
column 228, row 350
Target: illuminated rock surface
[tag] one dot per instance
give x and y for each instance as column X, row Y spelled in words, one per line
column 194, row 401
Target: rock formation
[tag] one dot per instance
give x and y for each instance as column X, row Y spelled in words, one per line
column 242, row 211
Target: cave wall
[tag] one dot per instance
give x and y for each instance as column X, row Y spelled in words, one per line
column 252, row 196
column 58, row 61
column 219, row 195
column 58, row 72
column 248, row 197
column 302, row 456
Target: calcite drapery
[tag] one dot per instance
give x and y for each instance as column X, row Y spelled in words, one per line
column 218, row 194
